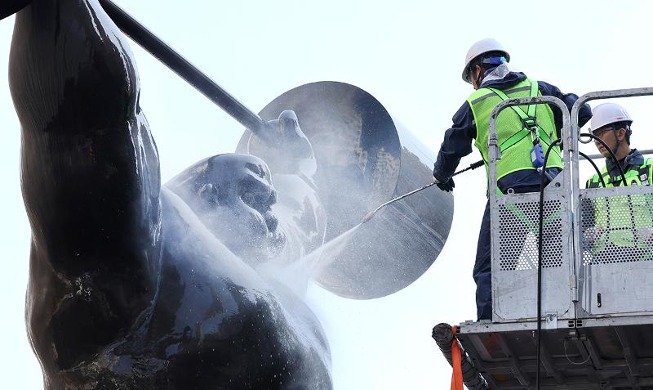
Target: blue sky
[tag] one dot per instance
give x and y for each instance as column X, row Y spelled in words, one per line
column 409, row 56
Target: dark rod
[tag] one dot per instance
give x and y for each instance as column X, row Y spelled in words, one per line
column 444, row 337
column 182, row 67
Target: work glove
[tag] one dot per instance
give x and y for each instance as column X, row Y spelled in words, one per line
column 447, row 186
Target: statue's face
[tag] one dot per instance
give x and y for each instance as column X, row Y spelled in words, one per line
column 235, row 197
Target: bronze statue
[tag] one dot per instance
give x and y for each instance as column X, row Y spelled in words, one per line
column 198, row 283
column 128, row 289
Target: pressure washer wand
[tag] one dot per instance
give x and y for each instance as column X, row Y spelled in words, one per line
column 371, row 213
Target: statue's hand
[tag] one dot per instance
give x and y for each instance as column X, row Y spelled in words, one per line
column 284, row 146
column 285, row 134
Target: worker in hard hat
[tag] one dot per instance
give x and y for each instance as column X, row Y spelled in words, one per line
column 486, row 69
column 623, row 224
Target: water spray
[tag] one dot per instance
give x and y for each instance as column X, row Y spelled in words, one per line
column 371, row 213
column 164, row 53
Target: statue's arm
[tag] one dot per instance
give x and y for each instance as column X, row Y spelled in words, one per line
column 90, row 173
column 90, row 179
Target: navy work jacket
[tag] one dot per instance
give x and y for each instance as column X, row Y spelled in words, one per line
column 458, row 139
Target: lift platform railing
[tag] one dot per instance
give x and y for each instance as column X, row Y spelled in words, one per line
column 572, row 277
column 516, row 259
column 612, row 279
column 605, row 341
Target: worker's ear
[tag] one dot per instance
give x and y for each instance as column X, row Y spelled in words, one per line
column 474, row 74
column 621, row 133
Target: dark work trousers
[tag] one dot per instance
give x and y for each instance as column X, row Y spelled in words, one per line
column 483, row 266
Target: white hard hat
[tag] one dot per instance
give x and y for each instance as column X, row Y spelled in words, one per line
column 607, row 113
column 481, row 47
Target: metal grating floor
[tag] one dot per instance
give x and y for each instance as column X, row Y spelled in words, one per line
column 612, row 353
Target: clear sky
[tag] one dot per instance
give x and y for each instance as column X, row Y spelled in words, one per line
column 409, row 55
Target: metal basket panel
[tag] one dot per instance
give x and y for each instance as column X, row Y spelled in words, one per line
column 515, row 233
column 616, row 239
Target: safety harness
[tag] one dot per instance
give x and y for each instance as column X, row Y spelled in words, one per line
column 529, row 126
column 532, row 128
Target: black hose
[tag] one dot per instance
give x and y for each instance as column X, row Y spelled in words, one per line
column 596, row 168
column 540, row 248
column 612, row 155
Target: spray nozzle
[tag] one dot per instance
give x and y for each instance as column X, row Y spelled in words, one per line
column 368, row 216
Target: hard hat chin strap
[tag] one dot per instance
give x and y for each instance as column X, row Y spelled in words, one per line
column 617, row 144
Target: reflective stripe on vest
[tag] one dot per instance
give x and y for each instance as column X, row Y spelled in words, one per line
column 641, row 175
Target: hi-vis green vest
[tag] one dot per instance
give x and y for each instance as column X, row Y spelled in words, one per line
column 515, row 140
column 621, row 217
column 642, row 175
